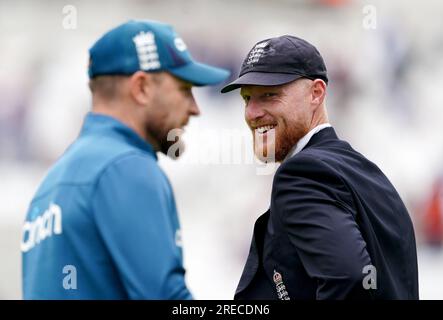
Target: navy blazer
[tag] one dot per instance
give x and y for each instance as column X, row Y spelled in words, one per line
column 336, row 229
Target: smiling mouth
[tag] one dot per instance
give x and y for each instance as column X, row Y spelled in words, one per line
column 264, row 129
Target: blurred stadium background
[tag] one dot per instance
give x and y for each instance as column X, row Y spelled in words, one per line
column 385, row 98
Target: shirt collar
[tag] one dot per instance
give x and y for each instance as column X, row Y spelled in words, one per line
column 96, row 123
column 305, row 140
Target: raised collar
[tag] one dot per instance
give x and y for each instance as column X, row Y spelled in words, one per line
column 101, row 124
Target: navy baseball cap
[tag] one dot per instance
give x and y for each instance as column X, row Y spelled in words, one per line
column 149, row 46
column 280, row 60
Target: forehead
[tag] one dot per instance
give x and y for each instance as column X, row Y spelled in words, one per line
column 175, row 80
column 250, row 89
column 298, row 85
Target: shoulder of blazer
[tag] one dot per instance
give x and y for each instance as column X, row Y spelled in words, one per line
column 308, row 170
column 325, row 135
column 323, row 146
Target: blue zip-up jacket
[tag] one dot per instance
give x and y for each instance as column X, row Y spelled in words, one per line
column 103, row 223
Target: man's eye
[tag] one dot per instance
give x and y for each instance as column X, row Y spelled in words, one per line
column 269, row 94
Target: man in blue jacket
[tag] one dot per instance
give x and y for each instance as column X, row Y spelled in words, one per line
column 103, row 223
column 336, row 227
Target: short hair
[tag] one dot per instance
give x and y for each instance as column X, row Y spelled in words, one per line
column 107, row 87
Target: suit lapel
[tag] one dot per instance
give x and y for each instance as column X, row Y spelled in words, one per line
column 255, row 252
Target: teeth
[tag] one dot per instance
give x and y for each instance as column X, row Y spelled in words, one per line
column 263, row 129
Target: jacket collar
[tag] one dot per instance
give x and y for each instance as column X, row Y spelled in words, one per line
column 100, row 124
column 327, row 134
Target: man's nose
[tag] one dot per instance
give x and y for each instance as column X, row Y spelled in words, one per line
column 194, row 110
column 253, row 110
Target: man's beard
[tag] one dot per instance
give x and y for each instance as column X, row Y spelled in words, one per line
column 285, row 140
column 288, row 139
column 170, row 142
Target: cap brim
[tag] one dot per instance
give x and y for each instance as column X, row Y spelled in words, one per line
column 261, row 79
column 200, row 74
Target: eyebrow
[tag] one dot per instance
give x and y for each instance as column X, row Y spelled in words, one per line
column 265, row 89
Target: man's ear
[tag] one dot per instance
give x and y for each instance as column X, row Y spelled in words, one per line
column 141, row 87
column 318, row 92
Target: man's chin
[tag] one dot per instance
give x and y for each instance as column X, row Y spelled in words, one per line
column 173, row 150
column 274, row 154
column 265, row 156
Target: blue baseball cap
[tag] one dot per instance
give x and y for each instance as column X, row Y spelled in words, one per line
column 149, row 46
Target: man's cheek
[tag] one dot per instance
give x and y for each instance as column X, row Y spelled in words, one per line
column 277, row 135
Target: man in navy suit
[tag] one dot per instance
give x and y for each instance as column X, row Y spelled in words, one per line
column 336, row 227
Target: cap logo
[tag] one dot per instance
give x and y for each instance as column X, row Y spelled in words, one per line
column 179, row 44
column 146, row 51
column 256, row 52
